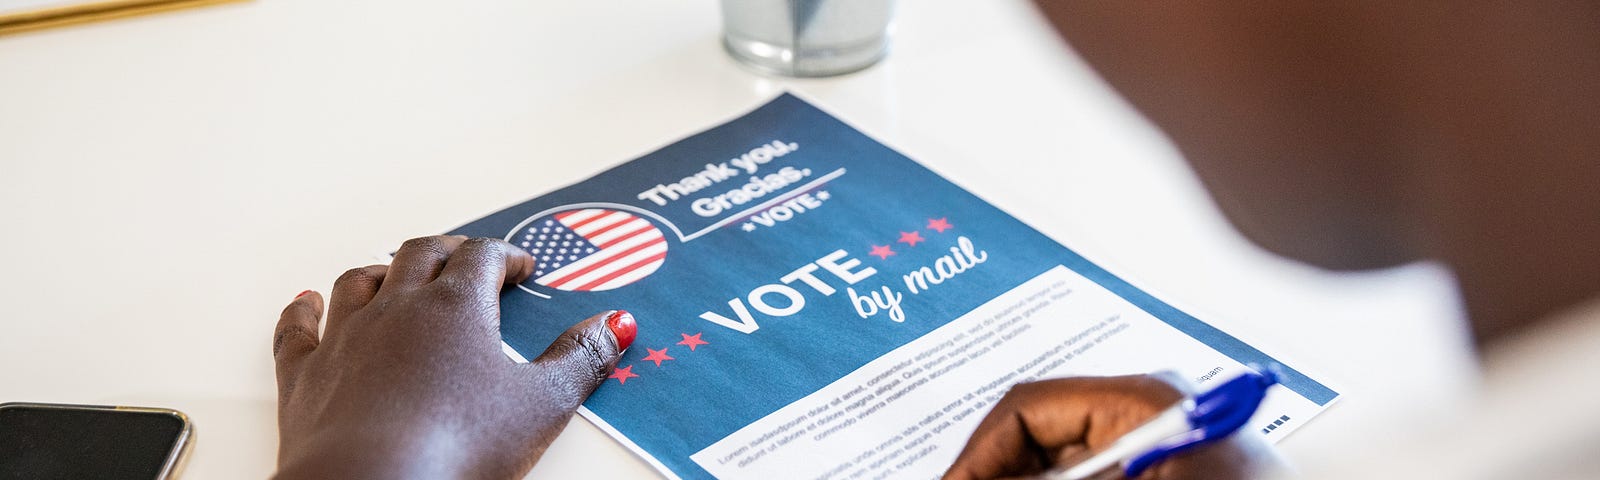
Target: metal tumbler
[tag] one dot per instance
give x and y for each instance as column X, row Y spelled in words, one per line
column 806, row 38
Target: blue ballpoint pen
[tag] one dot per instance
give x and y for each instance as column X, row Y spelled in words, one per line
column 1195, row 421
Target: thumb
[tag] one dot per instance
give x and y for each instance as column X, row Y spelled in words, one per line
column 583, row 356
column 296, row 335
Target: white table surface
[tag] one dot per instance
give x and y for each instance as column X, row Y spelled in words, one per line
column 168, row 182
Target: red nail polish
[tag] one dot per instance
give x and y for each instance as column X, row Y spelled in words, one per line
column 302, row 294
column 623, row 327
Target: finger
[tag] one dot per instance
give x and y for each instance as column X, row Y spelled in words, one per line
column 1070, row 455
column 1091, row 410
column 486, row 265
column 584, row 356
column 1028, row 429
column 296, row 334
column 418, row 261
column 351, row 292
column 1001, row 446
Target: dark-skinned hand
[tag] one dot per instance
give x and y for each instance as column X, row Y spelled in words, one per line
column 1051, row 423
column 408, row 380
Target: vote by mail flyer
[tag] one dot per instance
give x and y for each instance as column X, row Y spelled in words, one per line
column 813, row 304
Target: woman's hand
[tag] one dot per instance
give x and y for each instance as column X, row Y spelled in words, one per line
column 408, row 380
column 1041, row 425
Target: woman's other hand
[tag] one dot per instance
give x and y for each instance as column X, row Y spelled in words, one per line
column 408, row 379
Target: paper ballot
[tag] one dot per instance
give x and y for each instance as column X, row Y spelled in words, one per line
column 813, row 304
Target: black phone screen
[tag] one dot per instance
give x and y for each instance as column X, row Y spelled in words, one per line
column 47, row 443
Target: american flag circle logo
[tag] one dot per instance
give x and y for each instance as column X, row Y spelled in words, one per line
column 591, row 249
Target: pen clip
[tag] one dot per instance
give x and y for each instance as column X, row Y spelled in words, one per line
column 1213, row 415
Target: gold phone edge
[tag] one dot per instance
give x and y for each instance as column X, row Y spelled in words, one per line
column 176, row 460
column 179, row 457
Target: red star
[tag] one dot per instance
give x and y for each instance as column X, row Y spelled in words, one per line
column 940, row 225
column 881, row 251
column 911, row 238
column 623, row 374
column 657, row 356
column 691, row 341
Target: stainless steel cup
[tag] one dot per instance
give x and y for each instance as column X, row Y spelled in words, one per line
column 806, row 38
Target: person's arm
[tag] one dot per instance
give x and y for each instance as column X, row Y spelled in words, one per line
column 1042, row 425
column 408, row 379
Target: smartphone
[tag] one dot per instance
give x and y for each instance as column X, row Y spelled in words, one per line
column 49, row 441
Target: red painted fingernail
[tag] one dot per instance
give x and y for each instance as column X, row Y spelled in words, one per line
column 302, row 294
column 623, row 327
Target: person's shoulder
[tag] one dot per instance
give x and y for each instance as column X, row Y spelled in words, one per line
column 1533, row 415
column 1557, row 341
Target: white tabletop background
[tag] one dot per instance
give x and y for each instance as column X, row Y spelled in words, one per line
column 168, row 182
